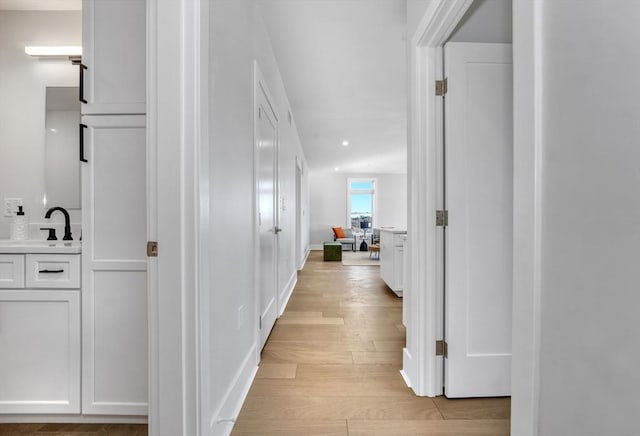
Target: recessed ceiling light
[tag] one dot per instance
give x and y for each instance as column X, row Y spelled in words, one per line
column 336, row 169
column 345, row 143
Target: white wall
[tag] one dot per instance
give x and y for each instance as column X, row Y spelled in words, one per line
column 23, row 81
column 485, row 21
column 328, row 194
column 238, row 37
column 415, row 12
column 590, row 245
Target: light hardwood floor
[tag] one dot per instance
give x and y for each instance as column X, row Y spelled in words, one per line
column 331, row 367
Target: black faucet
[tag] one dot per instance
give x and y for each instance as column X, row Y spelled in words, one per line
column 67, row 225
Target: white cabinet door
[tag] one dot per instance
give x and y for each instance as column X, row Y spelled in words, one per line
column 114, row 53
column 398, row 267
column 479, row 236
column 114, row 264
column 39, row 351
column 392, row 260
column 386, row 257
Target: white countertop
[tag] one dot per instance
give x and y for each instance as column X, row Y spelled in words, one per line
column 39, row 246
column 395, row 231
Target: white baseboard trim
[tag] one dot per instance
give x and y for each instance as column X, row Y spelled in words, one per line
column 304, row 259
column 405, row 378
column 407, row 365
column 73, row 419
column 287, row 291
column 222, row 420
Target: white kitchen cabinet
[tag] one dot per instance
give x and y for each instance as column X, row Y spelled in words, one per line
column 40, row 340
column 114, row 264
column 392, row 259
column 114, row 54
column 398, row 266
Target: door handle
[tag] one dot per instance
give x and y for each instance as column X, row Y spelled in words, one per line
column 277, row 230
column 51, row 271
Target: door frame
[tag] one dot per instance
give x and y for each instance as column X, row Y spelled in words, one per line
column 422, row 369
column 298, row 250
column 420, row 365
column 260, row 85
column 178, row 175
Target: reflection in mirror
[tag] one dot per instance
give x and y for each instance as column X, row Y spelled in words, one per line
column 62, row 167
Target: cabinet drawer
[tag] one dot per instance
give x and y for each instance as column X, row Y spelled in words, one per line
column 11, row 271
column 398, row 239
column 53, row 271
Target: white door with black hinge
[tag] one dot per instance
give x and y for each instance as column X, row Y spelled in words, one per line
column 479, row 235
column 266, row 187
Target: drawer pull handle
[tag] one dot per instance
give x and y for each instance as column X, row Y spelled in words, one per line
column 51, row 271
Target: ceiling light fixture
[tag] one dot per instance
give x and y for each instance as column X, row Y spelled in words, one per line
column 336, row 169
column 345, row 143
column 54, row 51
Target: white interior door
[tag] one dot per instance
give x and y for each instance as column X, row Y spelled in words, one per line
column 266, row 154
column 479, row 236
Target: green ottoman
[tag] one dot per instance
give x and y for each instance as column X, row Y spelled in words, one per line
column 332, row 251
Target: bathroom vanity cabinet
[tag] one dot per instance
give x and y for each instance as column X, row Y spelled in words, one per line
column 114, row 222
column 73, row 315
column 39, row 332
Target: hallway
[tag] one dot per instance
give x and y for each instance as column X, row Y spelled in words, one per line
column 332, row 367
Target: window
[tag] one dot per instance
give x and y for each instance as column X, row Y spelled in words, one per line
column 361, row 198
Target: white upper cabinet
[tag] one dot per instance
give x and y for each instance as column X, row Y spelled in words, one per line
column 114, row 54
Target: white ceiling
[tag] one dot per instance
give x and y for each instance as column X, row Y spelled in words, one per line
column 40, row 5
column 343, row 63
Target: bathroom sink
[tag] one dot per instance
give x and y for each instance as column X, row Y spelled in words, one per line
column 40, row 246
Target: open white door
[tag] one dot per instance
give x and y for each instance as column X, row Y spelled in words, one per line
column 479, row 235
column 266, row 155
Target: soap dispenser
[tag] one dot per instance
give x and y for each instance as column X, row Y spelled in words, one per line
column 19, row 226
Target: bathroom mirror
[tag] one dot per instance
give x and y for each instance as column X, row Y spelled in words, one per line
column 62, row 166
